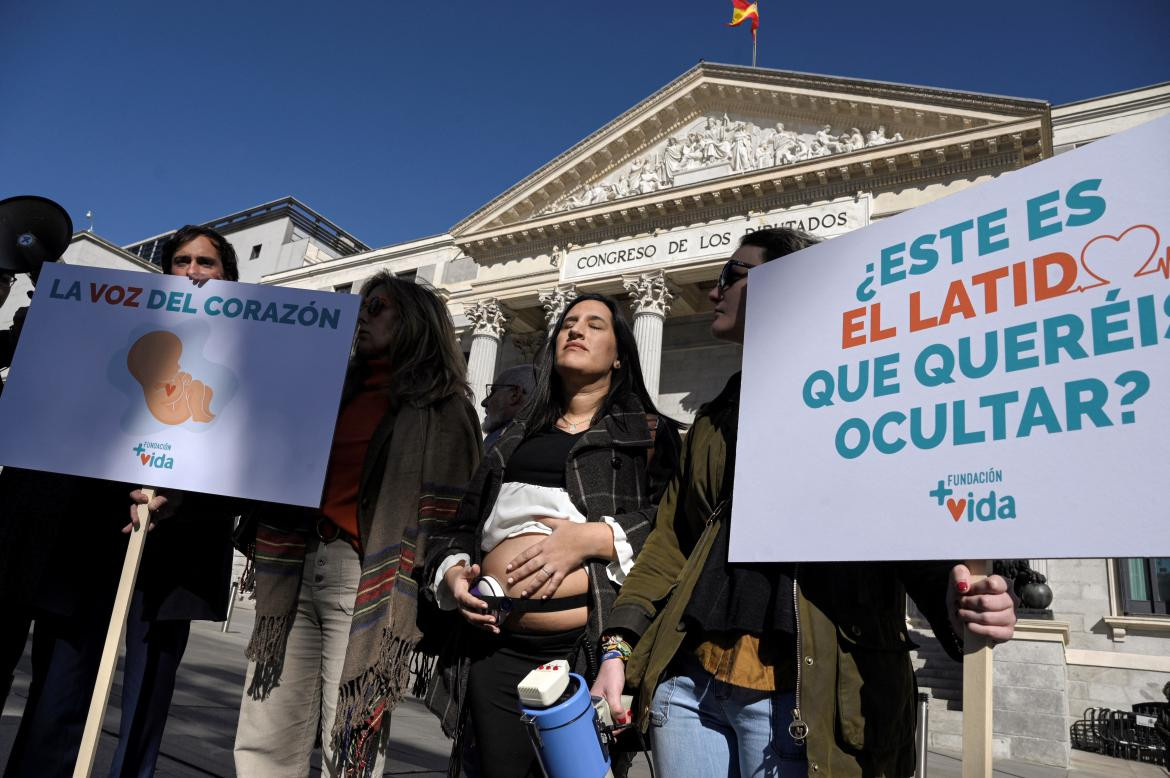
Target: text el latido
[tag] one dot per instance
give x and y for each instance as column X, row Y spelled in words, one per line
column 231, row 307
column 1017, row 284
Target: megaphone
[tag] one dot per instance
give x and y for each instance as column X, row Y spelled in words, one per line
column 33, row 230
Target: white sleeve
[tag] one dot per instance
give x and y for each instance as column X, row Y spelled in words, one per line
column 443, row 597
column 618, row 569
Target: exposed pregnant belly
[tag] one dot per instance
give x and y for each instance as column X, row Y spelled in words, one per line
column 495, row 564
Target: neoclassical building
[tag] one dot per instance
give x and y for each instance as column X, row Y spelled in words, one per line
column 648, row 207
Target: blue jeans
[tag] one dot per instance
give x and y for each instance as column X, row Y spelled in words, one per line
column 702, row 727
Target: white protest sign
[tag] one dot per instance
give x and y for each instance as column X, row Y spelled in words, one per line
column 227, row 389
column 985, row 376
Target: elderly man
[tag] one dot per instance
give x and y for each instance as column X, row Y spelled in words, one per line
column 184, row 576
column 505, row 397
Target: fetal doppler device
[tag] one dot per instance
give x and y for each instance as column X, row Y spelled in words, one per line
column 570, row 731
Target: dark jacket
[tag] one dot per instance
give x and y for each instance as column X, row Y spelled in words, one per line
column 611, row 471
column 855, row 684
column 62, row 548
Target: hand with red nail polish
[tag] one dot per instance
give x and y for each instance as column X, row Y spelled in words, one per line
column 987, row 608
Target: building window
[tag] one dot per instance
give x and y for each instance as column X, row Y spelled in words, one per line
column 344, row 288
column 255, row 251
column 1145, row 585
column 409, row 275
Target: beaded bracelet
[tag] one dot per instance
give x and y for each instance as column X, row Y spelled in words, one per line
column 614, row 644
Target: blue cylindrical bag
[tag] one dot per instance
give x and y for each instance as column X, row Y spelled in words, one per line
column 566, row 735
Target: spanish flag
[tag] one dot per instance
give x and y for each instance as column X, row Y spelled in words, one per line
column 741, row 11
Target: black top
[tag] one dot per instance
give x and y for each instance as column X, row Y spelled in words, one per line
column 540, row 460
column 751, row 598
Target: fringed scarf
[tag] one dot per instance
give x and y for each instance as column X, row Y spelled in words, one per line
column 413, row 498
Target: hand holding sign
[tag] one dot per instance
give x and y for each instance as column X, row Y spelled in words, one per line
column 159, row 505
column 986, row 607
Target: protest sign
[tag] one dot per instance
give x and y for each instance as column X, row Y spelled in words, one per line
column 227, row 388
column 985, row 376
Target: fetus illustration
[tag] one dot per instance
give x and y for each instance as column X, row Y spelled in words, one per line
column 172, row 396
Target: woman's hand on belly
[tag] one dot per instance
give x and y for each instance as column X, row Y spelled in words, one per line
column 495, row 564
column 540, row 568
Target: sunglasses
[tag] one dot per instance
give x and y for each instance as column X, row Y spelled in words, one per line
column 728, row 276
column 493, row 388
column 374, row 305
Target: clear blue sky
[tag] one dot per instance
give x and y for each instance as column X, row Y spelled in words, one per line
column 397, row 119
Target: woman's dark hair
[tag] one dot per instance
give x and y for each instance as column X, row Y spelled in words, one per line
column 547, row 404
column 425, row 359
column 778, row 241
column 227, row 253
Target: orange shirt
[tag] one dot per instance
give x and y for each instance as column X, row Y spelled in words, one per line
column 763, row 663
column 351, row 439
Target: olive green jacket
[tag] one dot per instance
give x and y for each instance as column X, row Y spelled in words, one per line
column 855, row 685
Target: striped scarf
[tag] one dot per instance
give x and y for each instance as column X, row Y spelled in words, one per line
column 414, row 500
column 384, row 630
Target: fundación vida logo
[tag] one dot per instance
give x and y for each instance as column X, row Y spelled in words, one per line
column 981, row 506
column 154, row 455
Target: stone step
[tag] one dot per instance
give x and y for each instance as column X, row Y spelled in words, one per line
column 935, row 678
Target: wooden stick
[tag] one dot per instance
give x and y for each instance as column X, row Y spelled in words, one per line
column 105, row 676
column 977, row 675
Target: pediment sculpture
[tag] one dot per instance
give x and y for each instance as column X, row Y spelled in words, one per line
column 719, row 146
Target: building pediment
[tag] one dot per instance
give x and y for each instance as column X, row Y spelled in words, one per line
column 720, row 122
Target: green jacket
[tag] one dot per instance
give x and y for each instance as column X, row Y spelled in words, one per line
column 855, row 684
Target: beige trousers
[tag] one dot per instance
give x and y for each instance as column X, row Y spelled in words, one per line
column 275, row 736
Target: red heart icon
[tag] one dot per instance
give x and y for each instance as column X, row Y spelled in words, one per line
column 170, row 389
column 956, row 507
column 1112, row 254
column 144, row 457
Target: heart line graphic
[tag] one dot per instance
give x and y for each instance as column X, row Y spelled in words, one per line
column 170, row 389
column 1145, row 268
column 144, row 457
column 956, row 507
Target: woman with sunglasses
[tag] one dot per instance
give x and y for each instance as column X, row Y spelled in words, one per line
column 336, row 605
column 772, row 669
column 547, row 531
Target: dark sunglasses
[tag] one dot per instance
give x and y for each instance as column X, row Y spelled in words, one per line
column 492, row 388
column 728, row 276
column 374, row 305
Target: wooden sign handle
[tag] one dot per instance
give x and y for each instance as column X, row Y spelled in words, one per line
column 977, row 676
column 105, row 676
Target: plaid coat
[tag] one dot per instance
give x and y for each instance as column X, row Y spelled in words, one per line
column 609, row 472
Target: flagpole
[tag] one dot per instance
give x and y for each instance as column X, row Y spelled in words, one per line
column 753, row 48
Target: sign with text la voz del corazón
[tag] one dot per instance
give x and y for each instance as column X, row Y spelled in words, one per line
column 985, row 376
column 228, row 388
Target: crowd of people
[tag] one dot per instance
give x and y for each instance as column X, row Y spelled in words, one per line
column 588, row 529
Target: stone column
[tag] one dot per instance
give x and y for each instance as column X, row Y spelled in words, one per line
column 554, row 302
column 487, row 330
column 650, row 300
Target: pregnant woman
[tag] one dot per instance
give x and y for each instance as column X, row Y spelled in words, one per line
column 551, row 523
